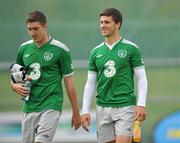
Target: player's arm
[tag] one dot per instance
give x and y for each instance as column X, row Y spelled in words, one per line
column 19, row 89
column 18, row 75
column 140, row 74
column 70, row 88
column 89, row 90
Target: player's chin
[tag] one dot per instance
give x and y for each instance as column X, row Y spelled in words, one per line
column 35, row 39
column 104, row 34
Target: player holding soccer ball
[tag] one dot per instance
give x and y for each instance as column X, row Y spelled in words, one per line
column 112, row 66
column 47, row 61
column 19, row 75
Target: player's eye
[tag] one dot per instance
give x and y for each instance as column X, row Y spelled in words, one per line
column 106, row 22
column 36, row 29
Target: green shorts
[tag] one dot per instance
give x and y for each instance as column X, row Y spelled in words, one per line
column 112, row 122
column 39, row 126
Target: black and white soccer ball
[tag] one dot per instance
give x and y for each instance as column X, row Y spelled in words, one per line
column 18, row 73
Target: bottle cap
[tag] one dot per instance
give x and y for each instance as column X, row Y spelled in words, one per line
column 29, row 78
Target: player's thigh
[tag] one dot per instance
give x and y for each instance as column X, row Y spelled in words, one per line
column 124, row 119
column 47, row 126
column 29, row 122
column 105, row 125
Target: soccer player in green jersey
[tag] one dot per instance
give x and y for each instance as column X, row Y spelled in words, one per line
column 112, row 66
column 47, row 61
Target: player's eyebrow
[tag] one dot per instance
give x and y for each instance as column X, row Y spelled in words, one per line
column 34, row 28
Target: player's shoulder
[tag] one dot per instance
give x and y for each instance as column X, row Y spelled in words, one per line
column 59, row 44
column 127, row 42
column 26, row 43
column 97, row 47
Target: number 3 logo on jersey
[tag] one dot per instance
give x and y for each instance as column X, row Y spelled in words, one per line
column 35, row 73
column 110, row 70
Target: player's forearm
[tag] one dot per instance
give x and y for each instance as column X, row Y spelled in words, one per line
column 142, row 92
column 72, row 94
column 14, row 86
column 74, row 102
column 141, row 85
column 89, row 90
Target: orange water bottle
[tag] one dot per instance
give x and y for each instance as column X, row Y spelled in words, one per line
column 137, row 131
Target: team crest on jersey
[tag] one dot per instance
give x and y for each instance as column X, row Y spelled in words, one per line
column 48, row 56
column 122, row 53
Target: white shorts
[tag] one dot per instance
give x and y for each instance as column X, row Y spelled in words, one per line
column 112, row 122
column 39, row 126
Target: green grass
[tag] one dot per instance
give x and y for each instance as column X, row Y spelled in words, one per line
column 163, row 94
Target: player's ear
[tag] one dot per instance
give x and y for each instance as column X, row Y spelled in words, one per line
column 45, row 26
column 118, row 25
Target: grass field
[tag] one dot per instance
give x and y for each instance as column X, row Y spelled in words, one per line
column 163, row 94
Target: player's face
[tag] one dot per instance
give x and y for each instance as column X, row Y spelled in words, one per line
column 37, row 31
column 108, row 26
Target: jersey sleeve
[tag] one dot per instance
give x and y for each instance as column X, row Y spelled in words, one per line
column 92, row 65
column 66, row 63
column 136, row 59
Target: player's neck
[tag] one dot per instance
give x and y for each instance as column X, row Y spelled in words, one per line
column 43, row 41
column 112, row 39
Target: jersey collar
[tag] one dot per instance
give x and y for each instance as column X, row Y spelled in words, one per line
column 111, row 46
column 49, row 40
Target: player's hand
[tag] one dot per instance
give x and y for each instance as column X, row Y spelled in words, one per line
column 76, row 120
column 140, row 113
column 20, row 89
column 85, row 121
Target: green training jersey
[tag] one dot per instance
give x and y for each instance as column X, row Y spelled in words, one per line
column 46, row 65
column 114, row 68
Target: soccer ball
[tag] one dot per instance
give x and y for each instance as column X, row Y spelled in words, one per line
column 18, row 73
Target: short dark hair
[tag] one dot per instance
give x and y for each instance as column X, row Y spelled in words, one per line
column 36, row 16
column 116, row 14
